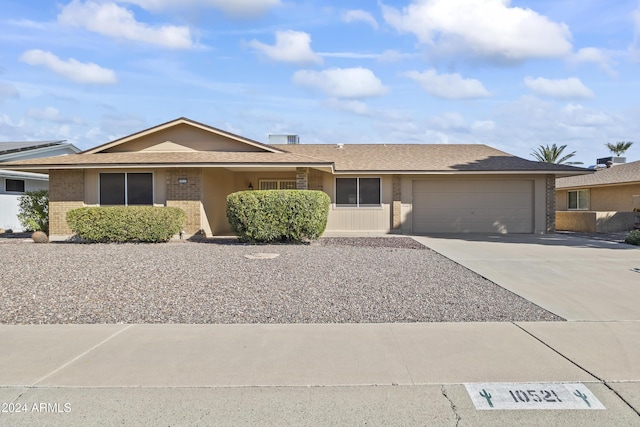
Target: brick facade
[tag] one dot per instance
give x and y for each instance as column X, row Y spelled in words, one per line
column 551, row 203
column 302, row 178
column 66, row 192
column 186, row 196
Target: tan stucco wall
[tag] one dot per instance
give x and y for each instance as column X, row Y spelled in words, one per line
column 611, row 198
column 183, row 138
column 217, row 184
column 360, row 219
column 594, row 222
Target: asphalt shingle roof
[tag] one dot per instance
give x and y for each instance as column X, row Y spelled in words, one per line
column 168, row 158
column 422, row 157
column 620, row 174
column 405, row 158
column 15, row 146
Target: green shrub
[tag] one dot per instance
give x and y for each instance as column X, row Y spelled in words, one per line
column 33, row 210
column 278, row 215
column 633, row 238
column 126, row 223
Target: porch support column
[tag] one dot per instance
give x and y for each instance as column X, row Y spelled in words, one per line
column 184, row 191
column 302, row 178
column 66, row 192
column 396, row 208
column 551, row 203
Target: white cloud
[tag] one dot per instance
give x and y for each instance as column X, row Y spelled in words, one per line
column 483, row 126
column 593, row 55
column 290, row 46
column 52, row 114
column 342, row 82
column 449, row 121
column 237, row 8
column 484, row 28
column 448, row 86
column 570, row 88
column 360, row 16
column 349, row 106
column 8, row 91
column 577, row 115
column 72, row 69
column 111, row 20
column 350, row 55
column 391, row 55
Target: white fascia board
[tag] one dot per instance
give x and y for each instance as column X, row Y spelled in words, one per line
column 23, row 175
column 40, row 152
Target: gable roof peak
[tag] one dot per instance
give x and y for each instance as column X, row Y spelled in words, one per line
column 182, row 121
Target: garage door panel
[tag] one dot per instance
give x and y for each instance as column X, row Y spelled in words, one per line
column 482, row 206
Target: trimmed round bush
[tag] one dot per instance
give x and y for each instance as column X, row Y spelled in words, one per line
column 120, row 224
column 278, row 215
column 633, row 238
column 39, row 237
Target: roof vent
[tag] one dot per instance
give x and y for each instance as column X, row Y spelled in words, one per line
column 284, row 139
column 340, row 146
column 611, row 161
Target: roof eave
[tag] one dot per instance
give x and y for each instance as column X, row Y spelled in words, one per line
column 48, row 167
column 607, row 184
column 458, row 172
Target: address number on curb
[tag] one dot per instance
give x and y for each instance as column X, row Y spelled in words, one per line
column 514, row 396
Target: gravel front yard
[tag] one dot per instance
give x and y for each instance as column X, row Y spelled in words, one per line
column 338, row 280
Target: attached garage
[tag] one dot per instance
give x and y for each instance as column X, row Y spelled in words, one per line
column 473, row 206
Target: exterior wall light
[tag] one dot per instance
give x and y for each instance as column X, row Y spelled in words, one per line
column 250, row 186
column 182, row 180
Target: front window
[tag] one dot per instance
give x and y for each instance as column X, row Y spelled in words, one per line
column 126, row 189
column 358, row 192
column 277, row 184
column 578, row 200
column 14, row 185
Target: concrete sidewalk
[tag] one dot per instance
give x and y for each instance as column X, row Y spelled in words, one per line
column 381, row 374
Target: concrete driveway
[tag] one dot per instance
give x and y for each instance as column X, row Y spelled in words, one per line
column 574, row 277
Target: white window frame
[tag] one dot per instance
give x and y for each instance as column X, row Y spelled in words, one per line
column 357, row 204
column 578, row 206
column 279, row 183
column 126, row 196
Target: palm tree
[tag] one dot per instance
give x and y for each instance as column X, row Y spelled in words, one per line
column 553, row 154
column 619, row 147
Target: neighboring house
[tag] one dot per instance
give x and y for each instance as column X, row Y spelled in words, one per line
column 13, row 184
column 399, row 188
column 601, row 202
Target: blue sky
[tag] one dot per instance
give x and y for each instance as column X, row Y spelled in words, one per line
column 510, row 74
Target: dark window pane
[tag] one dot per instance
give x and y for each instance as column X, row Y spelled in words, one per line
column 112, row 189
column 140, row 188
column 16, row 185
column 346, row 191
column 573, row 200
column 369, row 192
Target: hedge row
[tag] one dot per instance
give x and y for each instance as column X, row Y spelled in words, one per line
column 278, row 215
column 119, row 224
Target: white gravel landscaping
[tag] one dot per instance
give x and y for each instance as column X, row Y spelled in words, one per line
column 335, row 280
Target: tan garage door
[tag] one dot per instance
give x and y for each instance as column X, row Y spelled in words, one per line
column 472, row 206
